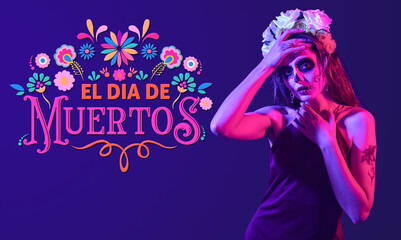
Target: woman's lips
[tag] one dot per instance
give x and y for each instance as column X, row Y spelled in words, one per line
column 305, row 90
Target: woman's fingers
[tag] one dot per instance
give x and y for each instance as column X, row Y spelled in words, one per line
column 302, row 120
column 310, row 111
column 306, row 115
column 293, row 49
column 288, row 32
column 295, row 43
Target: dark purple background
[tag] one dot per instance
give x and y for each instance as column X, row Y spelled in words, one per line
column 206, row 191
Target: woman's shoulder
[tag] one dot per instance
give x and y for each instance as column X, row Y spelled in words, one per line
column 352, row 116
column 280, row 117
column 277, row 112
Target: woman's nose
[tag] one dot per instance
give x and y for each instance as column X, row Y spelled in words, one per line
column 296, row 78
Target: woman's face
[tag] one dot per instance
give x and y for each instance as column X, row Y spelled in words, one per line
column 300, row 72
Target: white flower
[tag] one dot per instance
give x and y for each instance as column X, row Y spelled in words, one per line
column 267, row 34
column 317, row 19
column 266, row 48
column 287, row 20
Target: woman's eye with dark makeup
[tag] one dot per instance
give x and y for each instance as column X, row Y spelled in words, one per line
column 306, row 66
column 286, row 72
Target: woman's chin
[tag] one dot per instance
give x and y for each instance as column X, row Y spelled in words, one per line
column 304, row 98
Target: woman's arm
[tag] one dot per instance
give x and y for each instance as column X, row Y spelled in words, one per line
column 353, row 188
column 231, row 119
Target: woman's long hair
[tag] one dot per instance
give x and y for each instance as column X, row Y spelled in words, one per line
column 339, row 85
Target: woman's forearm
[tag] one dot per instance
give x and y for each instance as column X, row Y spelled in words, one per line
column 348, row 192
column 231, row 111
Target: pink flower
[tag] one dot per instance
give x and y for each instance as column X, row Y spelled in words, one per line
column 42, row 60
column 190, row 64
column 206, row 103
column 119, row 75
column 65, row 55
column 328, row 42
column 64, row 80
column 171, row 56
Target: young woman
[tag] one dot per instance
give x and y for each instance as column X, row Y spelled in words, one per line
column 323, row 143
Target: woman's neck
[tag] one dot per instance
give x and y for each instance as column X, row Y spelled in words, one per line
column 322, row 103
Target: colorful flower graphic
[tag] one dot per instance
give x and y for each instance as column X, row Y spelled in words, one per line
column 119, row 75
column 87, row 51
column 171, row 57
column 140, row 76
column 149, row 51
column 42, row 60
column 184, row 84
column 65, row 55
column 38, row 83
column 119, row 48
column 131, row 72
column 145, row 29
column 94, row 76
column 89, row 25
column 64, row 80
column 190, row 64
column 206, row 103
column 105, row 72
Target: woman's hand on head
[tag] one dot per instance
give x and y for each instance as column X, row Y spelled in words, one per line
column 283, row 47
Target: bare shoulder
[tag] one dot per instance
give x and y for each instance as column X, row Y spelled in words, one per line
column 356, row 120
column 277, row 113
column 280, row 117
column 354, row 116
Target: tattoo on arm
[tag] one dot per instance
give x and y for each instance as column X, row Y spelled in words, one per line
column 369, row 156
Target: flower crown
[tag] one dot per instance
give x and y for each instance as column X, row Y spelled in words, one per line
column 315, row 22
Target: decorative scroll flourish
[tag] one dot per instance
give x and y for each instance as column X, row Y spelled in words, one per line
column 109, row 146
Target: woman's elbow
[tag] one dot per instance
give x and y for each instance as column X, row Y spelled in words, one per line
column 361, row 217
column 217, row 129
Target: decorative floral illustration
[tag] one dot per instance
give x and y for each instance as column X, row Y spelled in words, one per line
column 119, row 48
column 19, row 88
column 149, row 51
column 30, row 64
column 94, row 76
column 131, row 72
column 171, row 58
column 64, row 80
column 119, row 75
column 140, row 76
column 203, row 86
column 20, row 140
column 65, row 56
column 42, row 60
column 87, row 51
column 206, row 103
column 184, row 84
column 89, row 25
column 145, row 29
column 190, row 64
column 200, row 68
column 105, row 72
column 38, row 83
